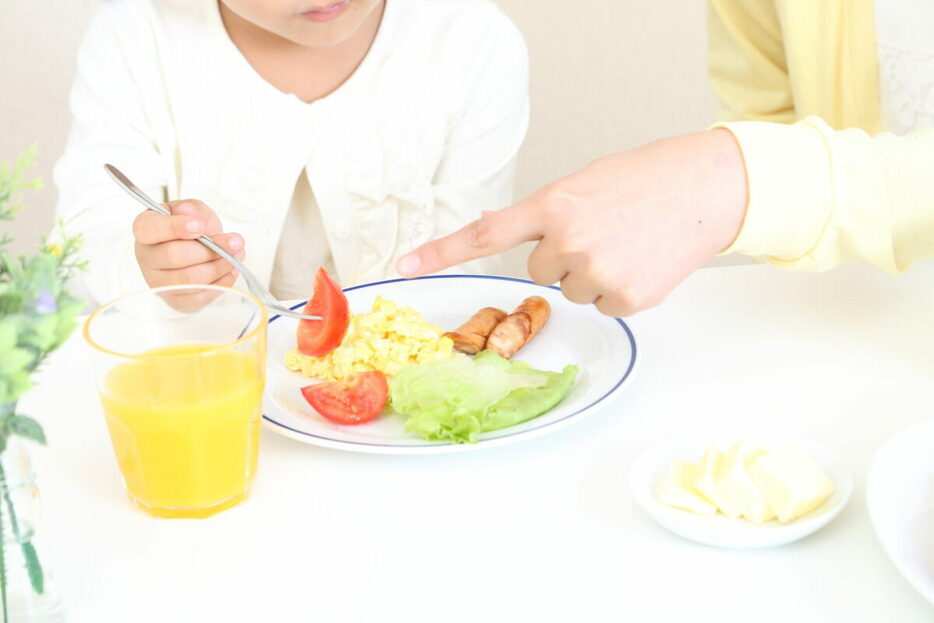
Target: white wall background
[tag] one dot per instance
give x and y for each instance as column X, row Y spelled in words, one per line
column 606, row 75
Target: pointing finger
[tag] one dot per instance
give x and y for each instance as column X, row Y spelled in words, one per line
column 494, row 233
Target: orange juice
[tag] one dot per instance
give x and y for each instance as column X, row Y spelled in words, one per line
column 184, row 422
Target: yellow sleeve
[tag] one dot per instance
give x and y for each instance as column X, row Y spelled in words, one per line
column 820, row 197
column 746, row 61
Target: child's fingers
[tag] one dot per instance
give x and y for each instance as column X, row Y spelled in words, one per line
column 494, row 233
column 152, row 228
column 190, row 218
column 198, row 210
column 227, row 280
column 177, row 254
column 232, row 243
column 191, row 301
column 199, row 274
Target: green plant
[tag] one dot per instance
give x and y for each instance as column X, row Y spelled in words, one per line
column 37, row 313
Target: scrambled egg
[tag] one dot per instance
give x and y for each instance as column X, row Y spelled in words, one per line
column 387, row 339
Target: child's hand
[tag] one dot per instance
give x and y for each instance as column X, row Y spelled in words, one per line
column 621, row 232
column 168, row 253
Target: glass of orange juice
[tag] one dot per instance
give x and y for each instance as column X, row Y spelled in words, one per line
column 180, row 374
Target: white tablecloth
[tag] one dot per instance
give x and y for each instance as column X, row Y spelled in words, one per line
column 541, row 530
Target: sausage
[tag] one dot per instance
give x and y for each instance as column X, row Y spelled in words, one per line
column 471, row 336
column 519, row 327
column 538, row 311
column 510, row 335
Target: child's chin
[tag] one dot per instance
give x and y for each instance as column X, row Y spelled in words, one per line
column 315, row 35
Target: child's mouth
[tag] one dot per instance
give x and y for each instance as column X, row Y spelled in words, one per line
column 326, row 13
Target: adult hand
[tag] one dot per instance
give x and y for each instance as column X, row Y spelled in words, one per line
column 620, row 233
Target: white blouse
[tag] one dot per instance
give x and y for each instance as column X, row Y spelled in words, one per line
column 905, row 40
column 420, row 139
column 303, row 245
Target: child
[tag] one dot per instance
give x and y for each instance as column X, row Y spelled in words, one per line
column 336, row 133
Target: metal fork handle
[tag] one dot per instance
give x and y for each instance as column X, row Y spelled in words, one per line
column 254, row 284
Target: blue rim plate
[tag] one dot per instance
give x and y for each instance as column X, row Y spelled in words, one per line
column 603, row 347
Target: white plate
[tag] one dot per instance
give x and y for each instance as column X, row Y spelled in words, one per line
column 604, row 349
column 651, row 468
column 900, row 497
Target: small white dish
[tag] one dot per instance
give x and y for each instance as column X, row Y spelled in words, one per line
column 651, row 469
column 603, row 348
column 900, row 497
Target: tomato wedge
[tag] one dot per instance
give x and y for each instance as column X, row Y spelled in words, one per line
column 357, row 399
column 316, row 338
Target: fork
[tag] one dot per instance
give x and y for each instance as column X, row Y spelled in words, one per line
column 255, row 285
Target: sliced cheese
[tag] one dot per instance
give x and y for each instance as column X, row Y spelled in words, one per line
column 748, row 482
column 724, row 482
column 707, row 475
column 791, row 481
column 679, row 491
column 738, row 496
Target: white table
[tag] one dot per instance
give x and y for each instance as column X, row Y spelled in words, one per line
column 542, row 530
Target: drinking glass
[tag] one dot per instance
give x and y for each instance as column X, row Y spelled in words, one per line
column 180, row 372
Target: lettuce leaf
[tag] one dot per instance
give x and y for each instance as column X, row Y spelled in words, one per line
column 454, row 400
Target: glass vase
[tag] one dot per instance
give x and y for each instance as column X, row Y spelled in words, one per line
column 27, row 593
